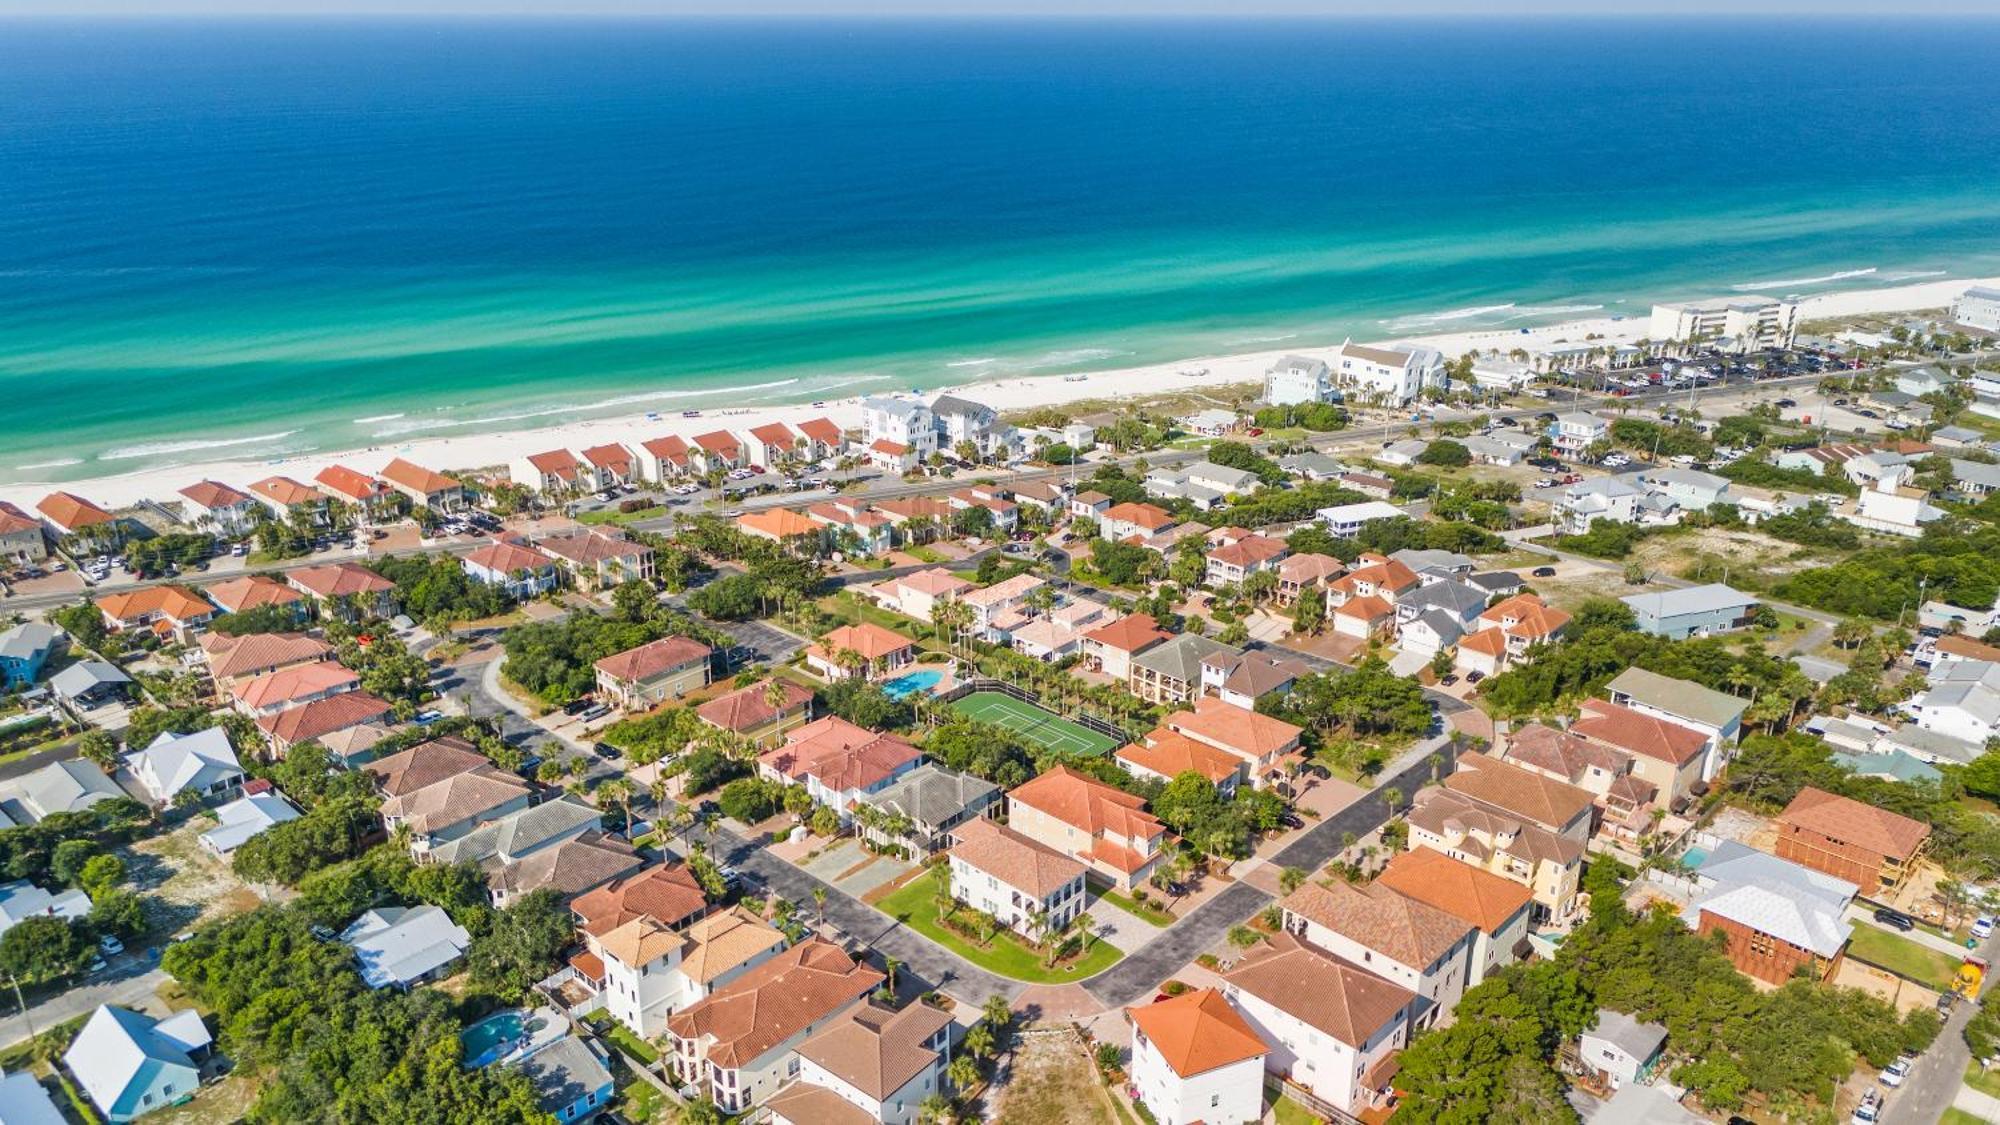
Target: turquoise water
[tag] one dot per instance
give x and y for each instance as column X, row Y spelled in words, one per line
column 1694, row 857
column 248, row 240
column 923, row 681
column 492, row 1037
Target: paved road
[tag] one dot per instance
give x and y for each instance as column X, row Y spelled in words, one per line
column 131, row 982
column 923, row 959
column 1135, row 978
column 1933, row 1083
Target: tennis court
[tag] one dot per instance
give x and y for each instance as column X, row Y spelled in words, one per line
column 1033, row 724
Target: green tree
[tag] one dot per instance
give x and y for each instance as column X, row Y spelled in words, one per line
column 523, row 944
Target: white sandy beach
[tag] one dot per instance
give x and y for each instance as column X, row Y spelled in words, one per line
column 497, row 448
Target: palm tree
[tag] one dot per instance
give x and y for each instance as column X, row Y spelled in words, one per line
column 819, row 905
column 980, row 1039
column 934, row 1110
column 889, row 967
column 963, row 1072
column 618, row 789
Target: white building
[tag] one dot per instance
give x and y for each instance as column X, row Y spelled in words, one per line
column 904, row 422
column 1966, row 709
column 1196, row 1059
column 1297, row 379
column 202, row 763
column 1576, row 431
column 1392, row 375
column 1736, row 323
column 399, row 946
column 1892, row 508
column 1979, row 308
column 1332, row 1026
column 1408, row 942
column 245, row 817
column 999, row 871
column 652, row 970
column 962, row 420
column 882, row 1061
column 1500, row 374
column 1347, row 520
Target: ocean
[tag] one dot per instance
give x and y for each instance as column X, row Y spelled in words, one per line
column 255, row 239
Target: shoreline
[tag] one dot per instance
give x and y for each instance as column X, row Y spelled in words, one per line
column 496, row 448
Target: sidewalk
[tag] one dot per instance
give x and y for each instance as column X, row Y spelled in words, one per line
column 1986, row 1107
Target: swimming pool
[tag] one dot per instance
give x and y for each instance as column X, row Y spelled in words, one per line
column 922, row 681
column 1694, row 856
column 499, row 1035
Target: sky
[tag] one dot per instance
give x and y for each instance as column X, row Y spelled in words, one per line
column 993, row 8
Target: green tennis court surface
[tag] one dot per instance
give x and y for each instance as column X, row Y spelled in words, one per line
column 1043, row 728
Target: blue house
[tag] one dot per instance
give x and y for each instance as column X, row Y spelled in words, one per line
column 24, row 650
column 131, row 1064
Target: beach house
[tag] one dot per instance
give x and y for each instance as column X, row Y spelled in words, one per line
column 1029, row 886
column 130, row 1064
column 610, row 465
column 293, row 502
column 512, row 565
column 1410, row 943
column 1333, row 1027
column 425, row 488
column 22, row 540
column 879, row 1062
column 371, row 498
column 228, row 512
column 70, row 514
column 738, row 1045
column 599, row 558
column 866, row 650
column 1873, row 848
column 24, row 650
column 665, row 458
column 1297, row 379
column 555, row 472
column 1392, row 376
column 639, row 679
column 904, row 424
column 348, row 590
column 1107, row 829
column 1195, row 1059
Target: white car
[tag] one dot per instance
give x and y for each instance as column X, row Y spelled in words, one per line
column 1892, row 1075
column 1867, row 1113
column 1982, row 927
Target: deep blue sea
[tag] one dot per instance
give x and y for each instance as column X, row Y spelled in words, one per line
column 251, row 239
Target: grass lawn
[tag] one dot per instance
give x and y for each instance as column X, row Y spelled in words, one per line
column 851, row 610
column 642, row 1103
column 924, row 552
column 1152, row 915
column 1960, row 1117
column 629, row 1043
column 1983, row 1080
column 1899, row 954
column 1289, row 1112
column 226, row 1101
column 916, row 906
column 614, row 516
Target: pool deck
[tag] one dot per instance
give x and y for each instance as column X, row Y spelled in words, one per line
column 548, row 1026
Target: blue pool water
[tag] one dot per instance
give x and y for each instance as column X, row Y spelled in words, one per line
column 1694, row 856
column 493, row 1037
column 922, row 681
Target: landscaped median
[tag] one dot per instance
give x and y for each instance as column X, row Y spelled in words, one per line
column 1147, row 912
column 916, row 904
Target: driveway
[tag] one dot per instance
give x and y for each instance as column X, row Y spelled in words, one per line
column 1119, row 928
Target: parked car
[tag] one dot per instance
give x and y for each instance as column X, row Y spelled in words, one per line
column 1544, row 572
column 607, row 751
column 1895, row 919
column 579, row 705
column 1869, row 1111
column 1892, row 1075
column 1474, row 677
column 110, row 946
column 1982, row 927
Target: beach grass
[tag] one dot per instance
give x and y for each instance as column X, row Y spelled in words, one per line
column 915, row 904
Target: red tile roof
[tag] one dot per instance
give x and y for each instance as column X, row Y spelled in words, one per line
column 654, row 658
column 339, row 579
column 324, row 716
column 1135, row 632
column 821, row 430
column 416, row 478
column 1087, row 803
column 610, row 456
column 1469, row 893
column 1638, row 733
column 211, row 494
column 1197, row 1032
column 70, row 511
column 286, row 492
column 747, row 709
column 353, row 484
column 718, row 441
column 251, row 591
column 1019, row 862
